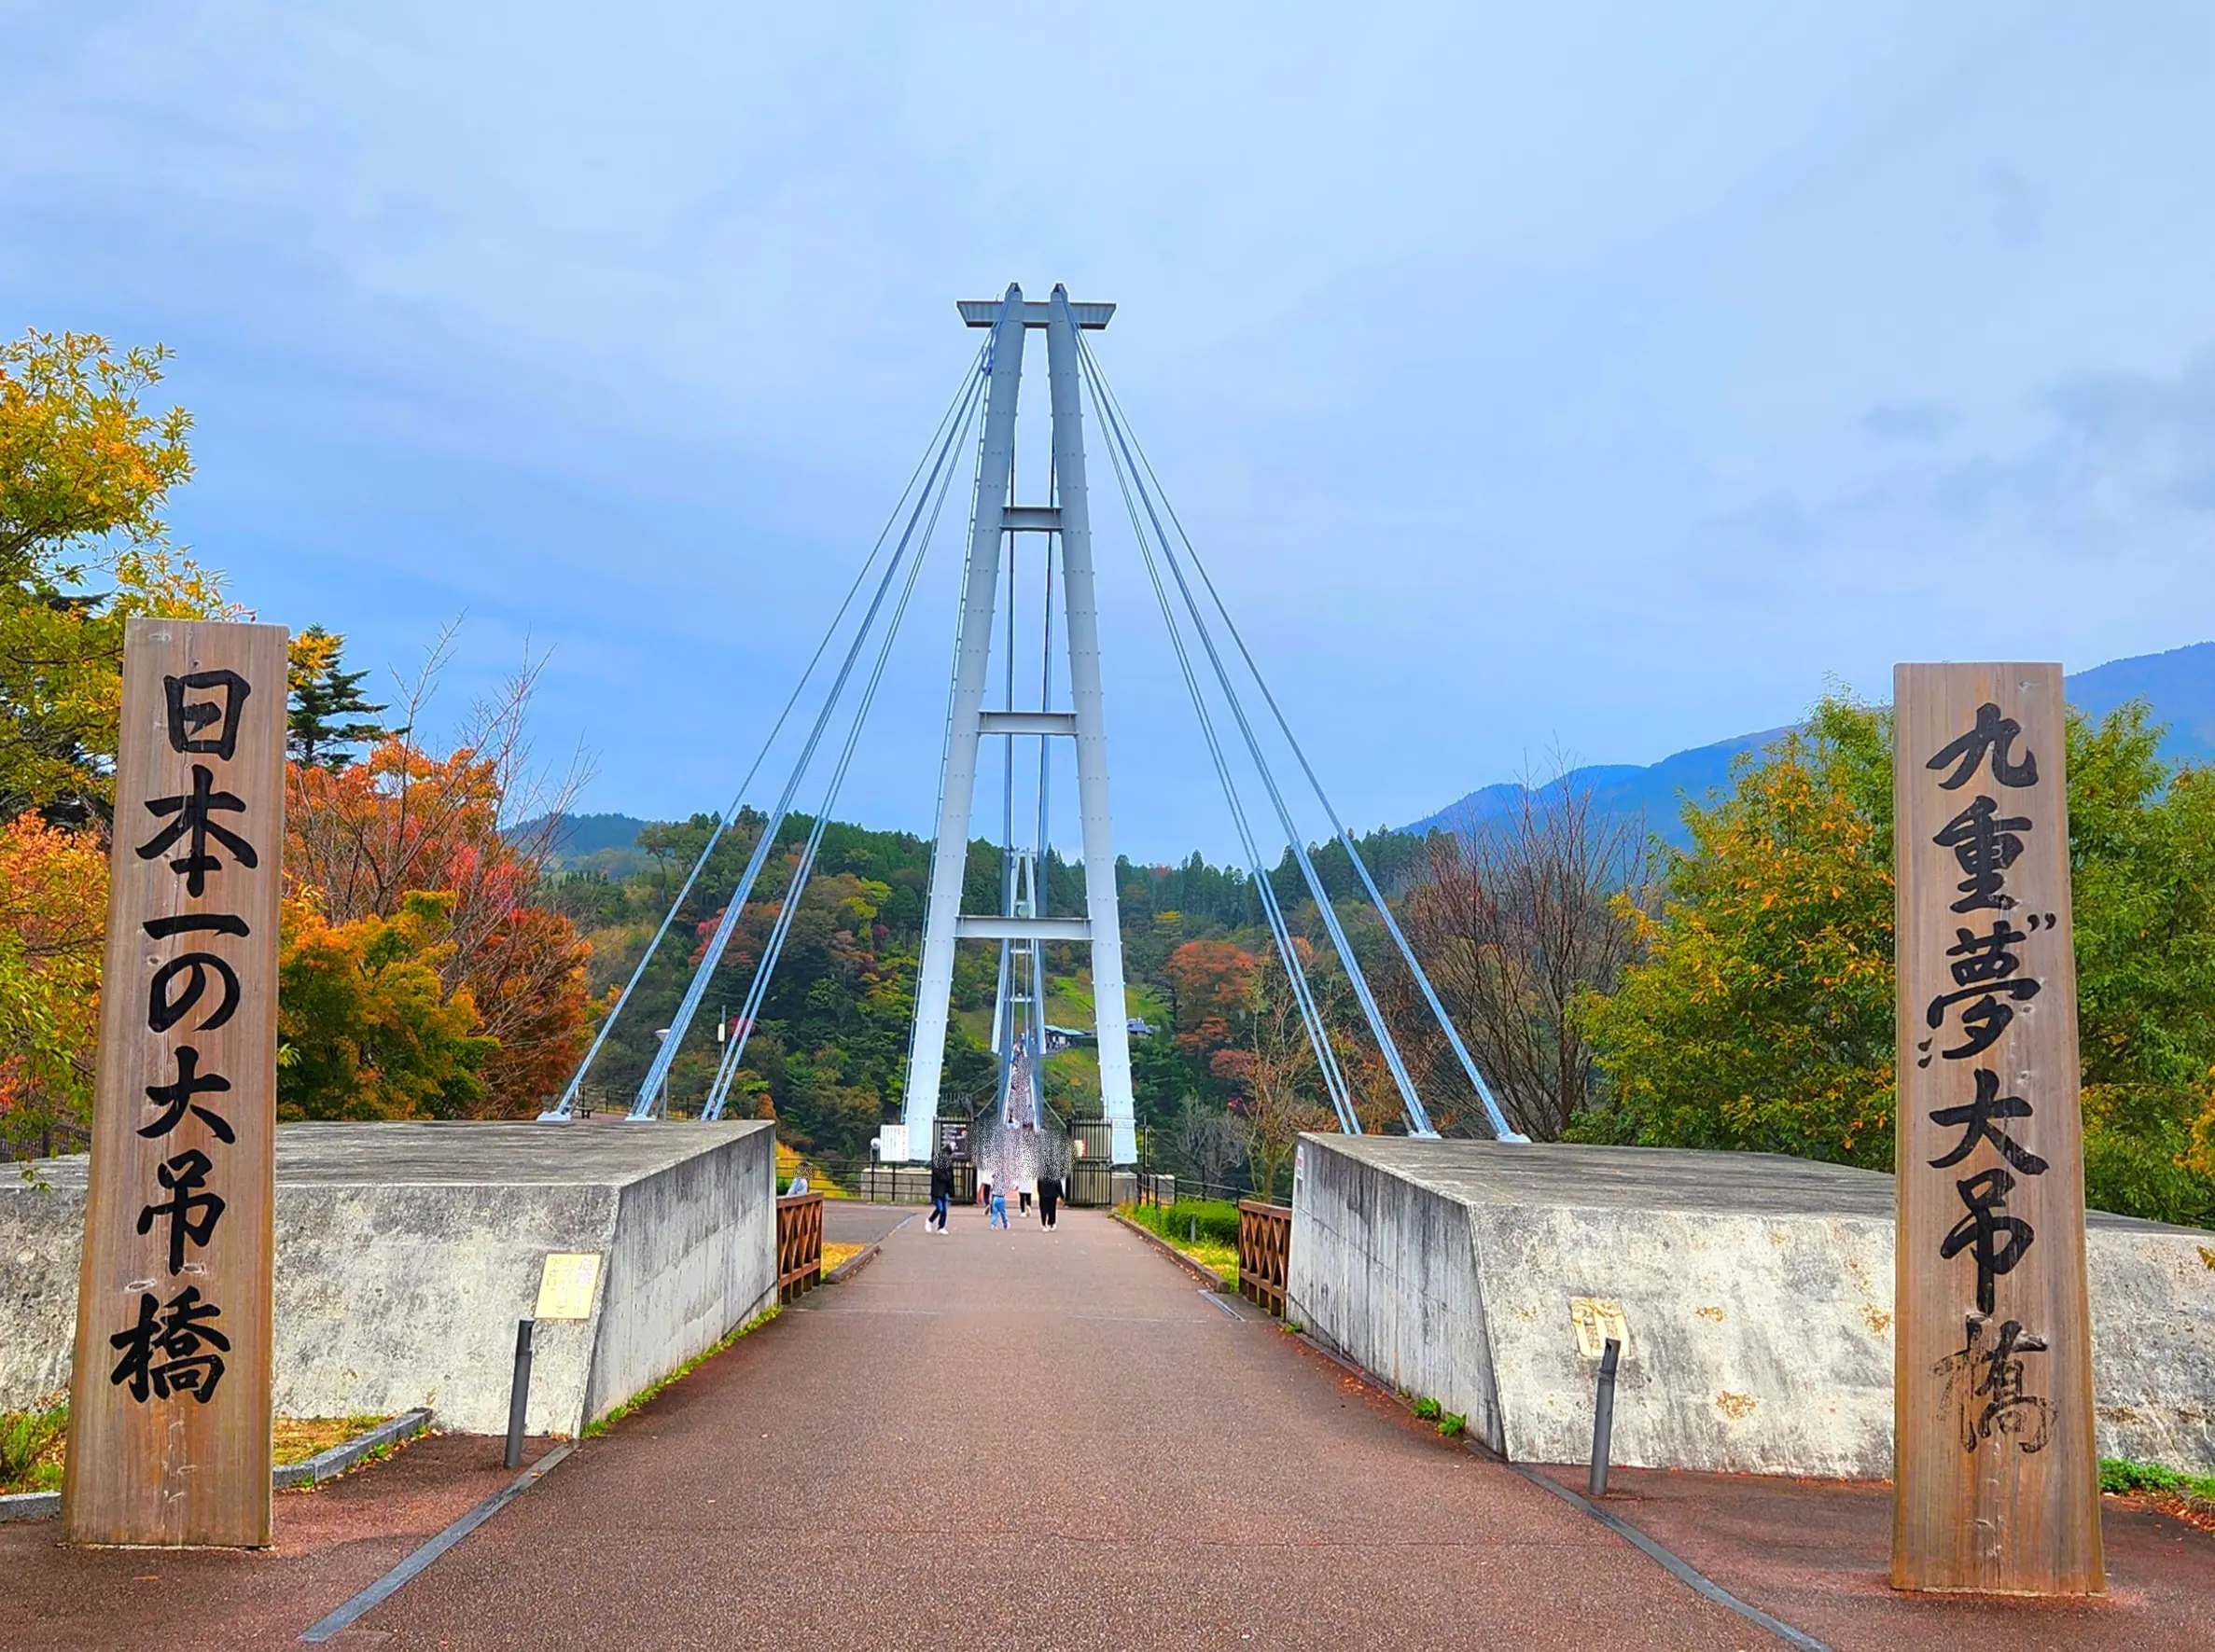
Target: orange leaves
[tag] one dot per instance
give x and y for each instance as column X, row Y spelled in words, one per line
column 53, row 910
column 401, row 822
column 1215, row 983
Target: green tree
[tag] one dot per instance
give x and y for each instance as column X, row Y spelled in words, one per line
column 84, row 472
column 366, row 1026
column 322, row 697
column 1761, row 1016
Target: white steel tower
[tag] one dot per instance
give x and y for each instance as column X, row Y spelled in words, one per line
column 1067, row 521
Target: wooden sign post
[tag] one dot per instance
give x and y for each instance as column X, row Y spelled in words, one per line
column 169, row 1414
column 1996, row 1480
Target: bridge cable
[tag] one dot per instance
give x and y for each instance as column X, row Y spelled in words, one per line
column 1417, row 1118
column 1500, row 1127
column 757, row 989
column 1333, row 1077
column 565, row 1107
column 642, row 1107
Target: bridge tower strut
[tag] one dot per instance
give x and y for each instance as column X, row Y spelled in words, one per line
column 1067, row 522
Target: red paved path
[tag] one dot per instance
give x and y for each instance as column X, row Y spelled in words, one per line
column 1055, row 1443
column 1043, row 1442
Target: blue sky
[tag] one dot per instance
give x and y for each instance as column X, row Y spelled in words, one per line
column 1598, row 380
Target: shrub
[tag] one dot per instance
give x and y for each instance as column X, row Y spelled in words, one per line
column 1212, row 1221
column 2119, row 1474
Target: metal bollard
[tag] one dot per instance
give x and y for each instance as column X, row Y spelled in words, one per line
column 518, row 1394
column 1603, row 1417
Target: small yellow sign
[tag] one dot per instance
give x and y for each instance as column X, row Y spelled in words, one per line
column 565, row 1287
column 1596, row 1319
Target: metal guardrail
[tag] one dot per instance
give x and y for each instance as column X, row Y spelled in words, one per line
column 1265, row 1254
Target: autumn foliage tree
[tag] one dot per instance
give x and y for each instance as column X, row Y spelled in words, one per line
column 1214, row 987
column 367, row 1027
column 53, row 912
column 1518, row 919
column 362, row 840
column 1761, row 1016
column 84, row 471
column 1281, row 1085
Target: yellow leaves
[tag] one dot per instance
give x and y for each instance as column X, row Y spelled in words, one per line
column 78, row 458
column 309, row 655
column 83, row 473
column 1760, row 1014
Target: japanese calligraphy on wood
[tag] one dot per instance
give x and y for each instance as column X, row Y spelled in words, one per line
column 1996, row 1481
column 168, row 1422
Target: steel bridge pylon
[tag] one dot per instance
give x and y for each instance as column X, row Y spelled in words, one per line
column 1067, row 520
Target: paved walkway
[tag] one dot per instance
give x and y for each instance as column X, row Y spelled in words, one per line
column 1051, row 1442
column 1038, row 1441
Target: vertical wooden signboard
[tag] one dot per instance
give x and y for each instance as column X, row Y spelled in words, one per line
column 1996, row 1481
column 169, row 1419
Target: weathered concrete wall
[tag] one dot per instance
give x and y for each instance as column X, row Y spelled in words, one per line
column 1389, row 1273
column 407, row 1252
column 395, row 1297
column 694, row 1254
column 1756, row 1291
column 42, row 1233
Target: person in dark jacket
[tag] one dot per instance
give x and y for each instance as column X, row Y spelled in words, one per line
column 941, row 1189
column 1049, row 1198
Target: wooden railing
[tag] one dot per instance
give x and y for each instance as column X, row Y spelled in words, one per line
column 799, row 1245
column 1264, row 1253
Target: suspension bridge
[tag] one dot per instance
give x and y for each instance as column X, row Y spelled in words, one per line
column 1049, row 695
column 1062, row 1434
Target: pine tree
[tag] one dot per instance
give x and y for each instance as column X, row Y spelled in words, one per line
column 321, row 694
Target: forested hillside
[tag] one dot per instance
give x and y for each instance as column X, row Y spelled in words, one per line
column 828, row 1058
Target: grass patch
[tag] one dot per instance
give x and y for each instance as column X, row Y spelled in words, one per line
column 1177, row 1224
column 1428, row 1409
column 32, row 1444
column 1453, row 1425
column 599, row 1426
column 294, row 1439
column 834, row 1254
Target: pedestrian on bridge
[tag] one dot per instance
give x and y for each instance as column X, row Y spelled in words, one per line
column 1050, row 1199
column 999, row 1207
column 941, row 1189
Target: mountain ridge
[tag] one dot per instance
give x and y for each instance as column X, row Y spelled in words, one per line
column 2178, row 683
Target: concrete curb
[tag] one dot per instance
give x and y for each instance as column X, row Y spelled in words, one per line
column 1199, row 1270
column 855, row 1263
column 312, row 1471
column 30, row 1505
column 329, row 1464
